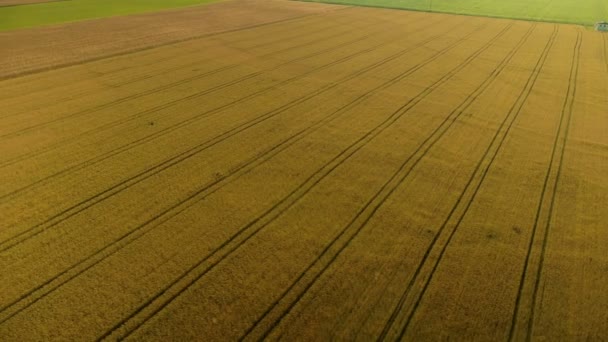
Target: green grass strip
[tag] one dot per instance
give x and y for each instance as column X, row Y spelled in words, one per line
column 32, row 15
column 581, row 12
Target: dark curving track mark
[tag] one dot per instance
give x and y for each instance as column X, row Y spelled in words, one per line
column 547, row 196
column 170, row 211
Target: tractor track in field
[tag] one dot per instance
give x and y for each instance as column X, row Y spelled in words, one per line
column 450, row 120
column 157, row 45
column 155, row 50
column 173, row 127
column 379, row 198
column 158, row 61
column 166, row 87
column 168, row 211
column 547, row 198
column 169, row 104
column 497, row 140
column 353, row 173
column 273, row 213
column 84, row 204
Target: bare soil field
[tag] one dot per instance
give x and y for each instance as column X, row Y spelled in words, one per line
column 44, row 48
column 353, row 174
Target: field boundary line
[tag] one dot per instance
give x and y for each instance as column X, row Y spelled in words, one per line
column 547, row 197
column 204, row 188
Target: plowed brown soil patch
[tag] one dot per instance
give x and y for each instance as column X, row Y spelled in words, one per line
column 45, row 48
column 358, row 174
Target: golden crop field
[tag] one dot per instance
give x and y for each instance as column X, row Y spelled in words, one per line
column 349, row 174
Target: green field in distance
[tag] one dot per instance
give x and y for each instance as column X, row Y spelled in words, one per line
column 585, row 12
column 22, row 16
